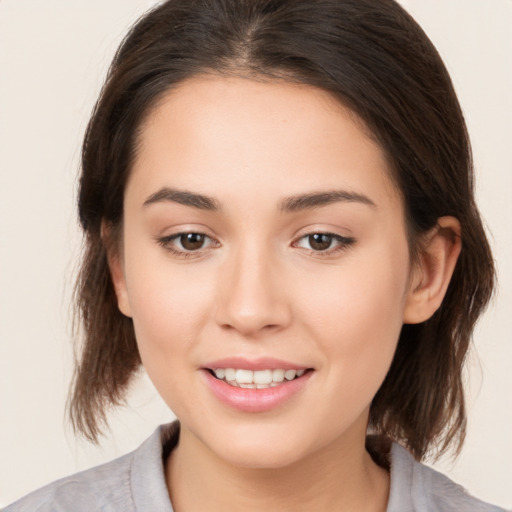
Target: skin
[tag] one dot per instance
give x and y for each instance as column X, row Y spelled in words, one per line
column 257, row 288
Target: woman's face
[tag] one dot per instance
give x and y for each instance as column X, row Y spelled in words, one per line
column 263, row 240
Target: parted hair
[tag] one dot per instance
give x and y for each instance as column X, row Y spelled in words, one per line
column 375, row 59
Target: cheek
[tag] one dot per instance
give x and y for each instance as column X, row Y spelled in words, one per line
column 168, row 316
column 166, row 307
column 356, row 317
column 169, row 306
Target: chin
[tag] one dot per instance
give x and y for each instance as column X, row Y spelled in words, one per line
column 259, row 446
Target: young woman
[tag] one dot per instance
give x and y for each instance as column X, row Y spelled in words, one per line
column 280, row 227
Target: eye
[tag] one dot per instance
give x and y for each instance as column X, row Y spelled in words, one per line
column 182, row 244
column 324, row 242
column 191, row 241
column 319, row 241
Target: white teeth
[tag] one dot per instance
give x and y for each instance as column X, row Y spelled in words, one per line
column 244, row 376
column 259, row 379
column 220, row 373
column 278, row 375
column 290, row 374
column 229, row 374
column 262, row 377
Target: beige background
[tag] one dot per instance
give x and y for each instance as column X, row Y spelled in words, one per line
column 53, row 57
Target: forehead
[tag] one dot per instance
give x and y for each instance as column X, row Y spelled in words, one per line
column 235, row 136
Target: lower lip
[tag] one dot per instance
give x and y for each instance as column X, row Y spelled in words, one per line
column 255, row 400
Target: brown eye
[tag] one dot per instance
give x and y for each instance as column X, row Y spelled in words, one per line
column 187, row 244
column 320, row 241
column 324, row 244
column 192, row 241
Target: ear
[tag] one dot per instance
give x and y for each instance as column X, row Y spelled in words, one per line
column 116, row 267
column 432, row 272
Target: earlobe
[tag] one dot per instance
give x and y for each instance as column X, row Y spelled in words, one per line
column 116, row 268
column 433, row 271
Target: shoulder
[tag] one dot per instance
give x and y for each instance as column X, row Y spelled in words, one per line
column 127, row 483
column 416, row 487
column 91, row 489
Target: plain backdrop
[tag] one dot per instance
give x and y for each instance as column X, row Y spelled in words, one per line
column 53, row 58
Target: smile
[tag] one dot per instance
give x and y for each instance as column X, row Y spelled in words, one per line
column 257, row 379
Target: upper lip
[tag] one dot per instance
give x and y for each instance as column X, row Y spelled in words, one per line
column 261, row 363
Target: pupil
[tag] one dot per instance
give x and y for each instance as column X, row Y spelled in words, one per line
column 192, row 241
column 320, row 241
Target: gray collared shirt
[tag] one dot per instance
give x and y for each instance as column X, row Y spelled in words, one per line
column 136, row 483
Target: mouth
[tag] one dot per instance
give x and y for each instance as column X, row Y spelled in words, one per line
column 256, row 385
column 257, row 379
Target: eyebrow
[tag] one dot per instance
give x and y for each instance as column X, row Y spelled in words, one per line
column 290, row 204
column 183, row 197
column 318, row 199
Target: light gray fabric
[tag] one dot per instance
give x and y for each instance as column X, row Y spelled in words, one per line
column 132, row 483
column 418, row 488
column 136, row 483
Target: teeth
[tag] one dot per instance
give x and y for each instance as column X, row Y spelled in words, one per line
column 259, row 379
column 244, row 376
column 220, row 373
column 262, row 377
column 229, row 374
column 278, row 375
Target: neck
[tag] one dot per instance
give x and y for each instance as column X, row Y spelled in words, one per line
column 340, row 477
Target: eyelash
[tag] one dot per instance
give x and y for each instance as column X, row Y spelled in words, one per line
column 167, row 241
column 342, row 244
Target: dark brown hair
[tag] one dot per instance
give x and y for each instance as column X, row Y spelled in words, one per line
column 376, row 60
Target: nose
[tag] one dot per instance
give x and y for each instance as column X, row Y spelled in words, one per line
column 252, row 295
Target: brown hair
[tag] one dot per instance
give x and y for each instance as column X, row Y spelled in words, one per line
column 372, row 56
